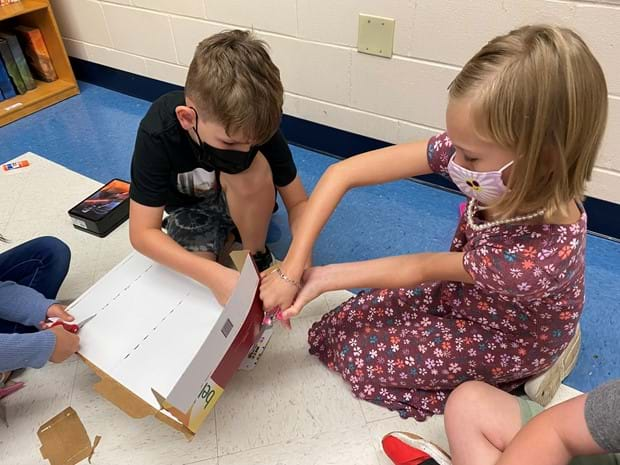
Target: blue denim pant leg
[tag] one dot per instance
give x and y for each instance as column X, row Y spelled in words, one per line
column 41, row 264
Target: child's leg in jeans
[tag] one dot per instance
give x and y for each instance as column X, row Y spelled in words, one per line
column 251, row 196
column 480, row 422
column 41, row 264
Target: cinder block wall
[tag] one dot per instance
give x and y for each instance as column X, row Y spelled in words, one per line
column 326, row 79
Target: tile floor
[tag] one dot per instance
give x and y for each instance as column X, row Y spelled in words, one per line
column 288, row 410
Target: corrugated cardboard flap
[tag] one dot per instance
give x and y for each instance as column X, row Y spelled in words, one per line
column 130, row 403
column 64, row 439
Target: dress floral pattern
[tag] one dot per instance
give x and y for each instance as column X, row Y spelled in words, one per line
column 406, row 349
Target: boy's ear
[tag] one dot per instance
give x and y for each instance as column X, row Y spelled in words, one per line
column 186, row 117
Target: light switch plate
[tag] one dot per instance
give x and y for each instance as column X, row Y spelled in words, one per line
column 375, row 35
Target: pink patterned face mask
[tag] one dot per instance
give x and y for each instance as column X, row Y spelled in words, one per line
column 484, row 186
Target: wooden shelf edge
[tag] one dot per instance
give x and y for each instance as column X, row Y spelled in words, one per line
column 32, row 105
column 23, row 7
column 39, row 14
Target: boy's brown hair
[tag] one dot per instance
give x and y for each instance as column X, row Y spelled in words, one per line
column 539, row 92
column 233, row 82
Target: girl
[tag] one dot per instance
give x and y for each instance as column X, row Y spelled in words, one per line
column 524, row 122
column 30, row 276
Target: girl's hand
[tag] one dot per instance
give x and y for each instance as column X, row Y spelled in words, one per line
column 59, row 311
column 275, row 292
column 313, row 285
column 56, row 311
column 66, row 344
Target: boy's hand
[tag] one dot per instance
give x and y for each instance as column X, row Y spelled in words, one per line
column 226, row 282
column 66, row 344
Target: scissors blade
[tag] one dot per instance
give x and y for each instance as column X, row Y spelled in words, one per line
column 81, row 325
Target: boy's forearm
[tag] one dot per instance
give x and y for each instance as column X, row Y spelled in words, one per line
column 158, row 246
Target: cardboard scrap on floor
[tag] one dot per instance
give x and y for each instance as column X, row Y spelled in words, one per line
column 64, row 439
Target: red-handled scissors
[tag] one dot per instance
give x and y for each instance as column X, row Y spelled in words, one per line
column 68, row 326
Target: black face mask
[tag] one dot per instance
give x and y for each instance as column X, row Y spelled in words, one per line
column 226, row 161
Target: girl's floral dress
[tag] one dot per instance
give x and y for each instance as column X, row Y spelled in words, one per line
column 406, row 349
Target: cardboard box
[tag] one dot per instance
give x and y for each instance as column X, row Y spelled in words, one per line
column 104, row 210
column 161, row 343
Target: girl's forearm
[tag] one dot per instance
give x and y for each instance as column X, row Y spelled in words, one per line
column 389, row 273
column 326, row 196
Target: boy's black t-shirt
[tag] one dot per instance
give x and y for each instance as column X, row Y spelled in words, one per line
column 165, row 169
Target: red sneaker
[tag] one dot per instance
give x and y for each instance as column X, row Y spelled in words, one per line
column 409, row 449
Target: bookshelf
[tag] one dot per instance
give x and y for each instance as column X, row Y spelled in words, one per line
column 38, row 13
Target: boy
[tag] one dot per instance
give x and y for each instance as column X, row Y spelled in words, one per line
column 210, row 157
column 488, row 426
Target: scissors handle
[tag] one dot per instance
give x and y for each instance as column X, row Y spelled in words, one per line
column 11, row 388
column 71, row 327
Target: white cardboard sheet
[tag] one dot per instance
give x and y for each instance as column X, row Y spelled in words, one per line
column 150, row 323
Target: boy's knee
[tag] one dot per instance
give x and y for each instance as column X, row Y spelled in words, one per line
column 466, row 398
column 250, row 184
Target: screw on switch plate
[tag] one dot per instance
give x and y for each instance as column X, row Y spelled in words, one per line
column 375, row 35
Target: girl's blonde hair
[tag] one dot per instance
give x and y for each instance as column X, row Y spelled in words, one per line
column 539, row 92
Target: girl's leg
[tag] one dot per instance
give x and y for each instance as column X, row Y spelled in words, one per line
column 41, row 264
column 397, row 349
column 480, row 421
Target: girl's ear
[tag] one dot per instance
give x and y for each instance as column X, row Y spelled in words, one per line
column 186, row 117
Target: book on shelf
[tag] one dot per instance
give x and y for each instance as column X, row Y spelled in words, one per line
column 6, row 87
column 11, row 67
column 20, row 59
column 36, row 52
column 8, row 2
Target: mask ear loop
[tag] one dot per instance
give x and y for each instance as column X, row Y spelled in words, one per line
column 507, row 165
column 195, row 127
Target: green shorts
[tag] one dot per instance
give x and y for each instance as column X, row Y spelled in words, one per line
column 529, row 409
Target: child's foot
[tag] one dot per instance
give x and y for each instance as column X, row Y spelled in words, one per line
column 542, row 388
column 409, row 449
column 263, row 260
